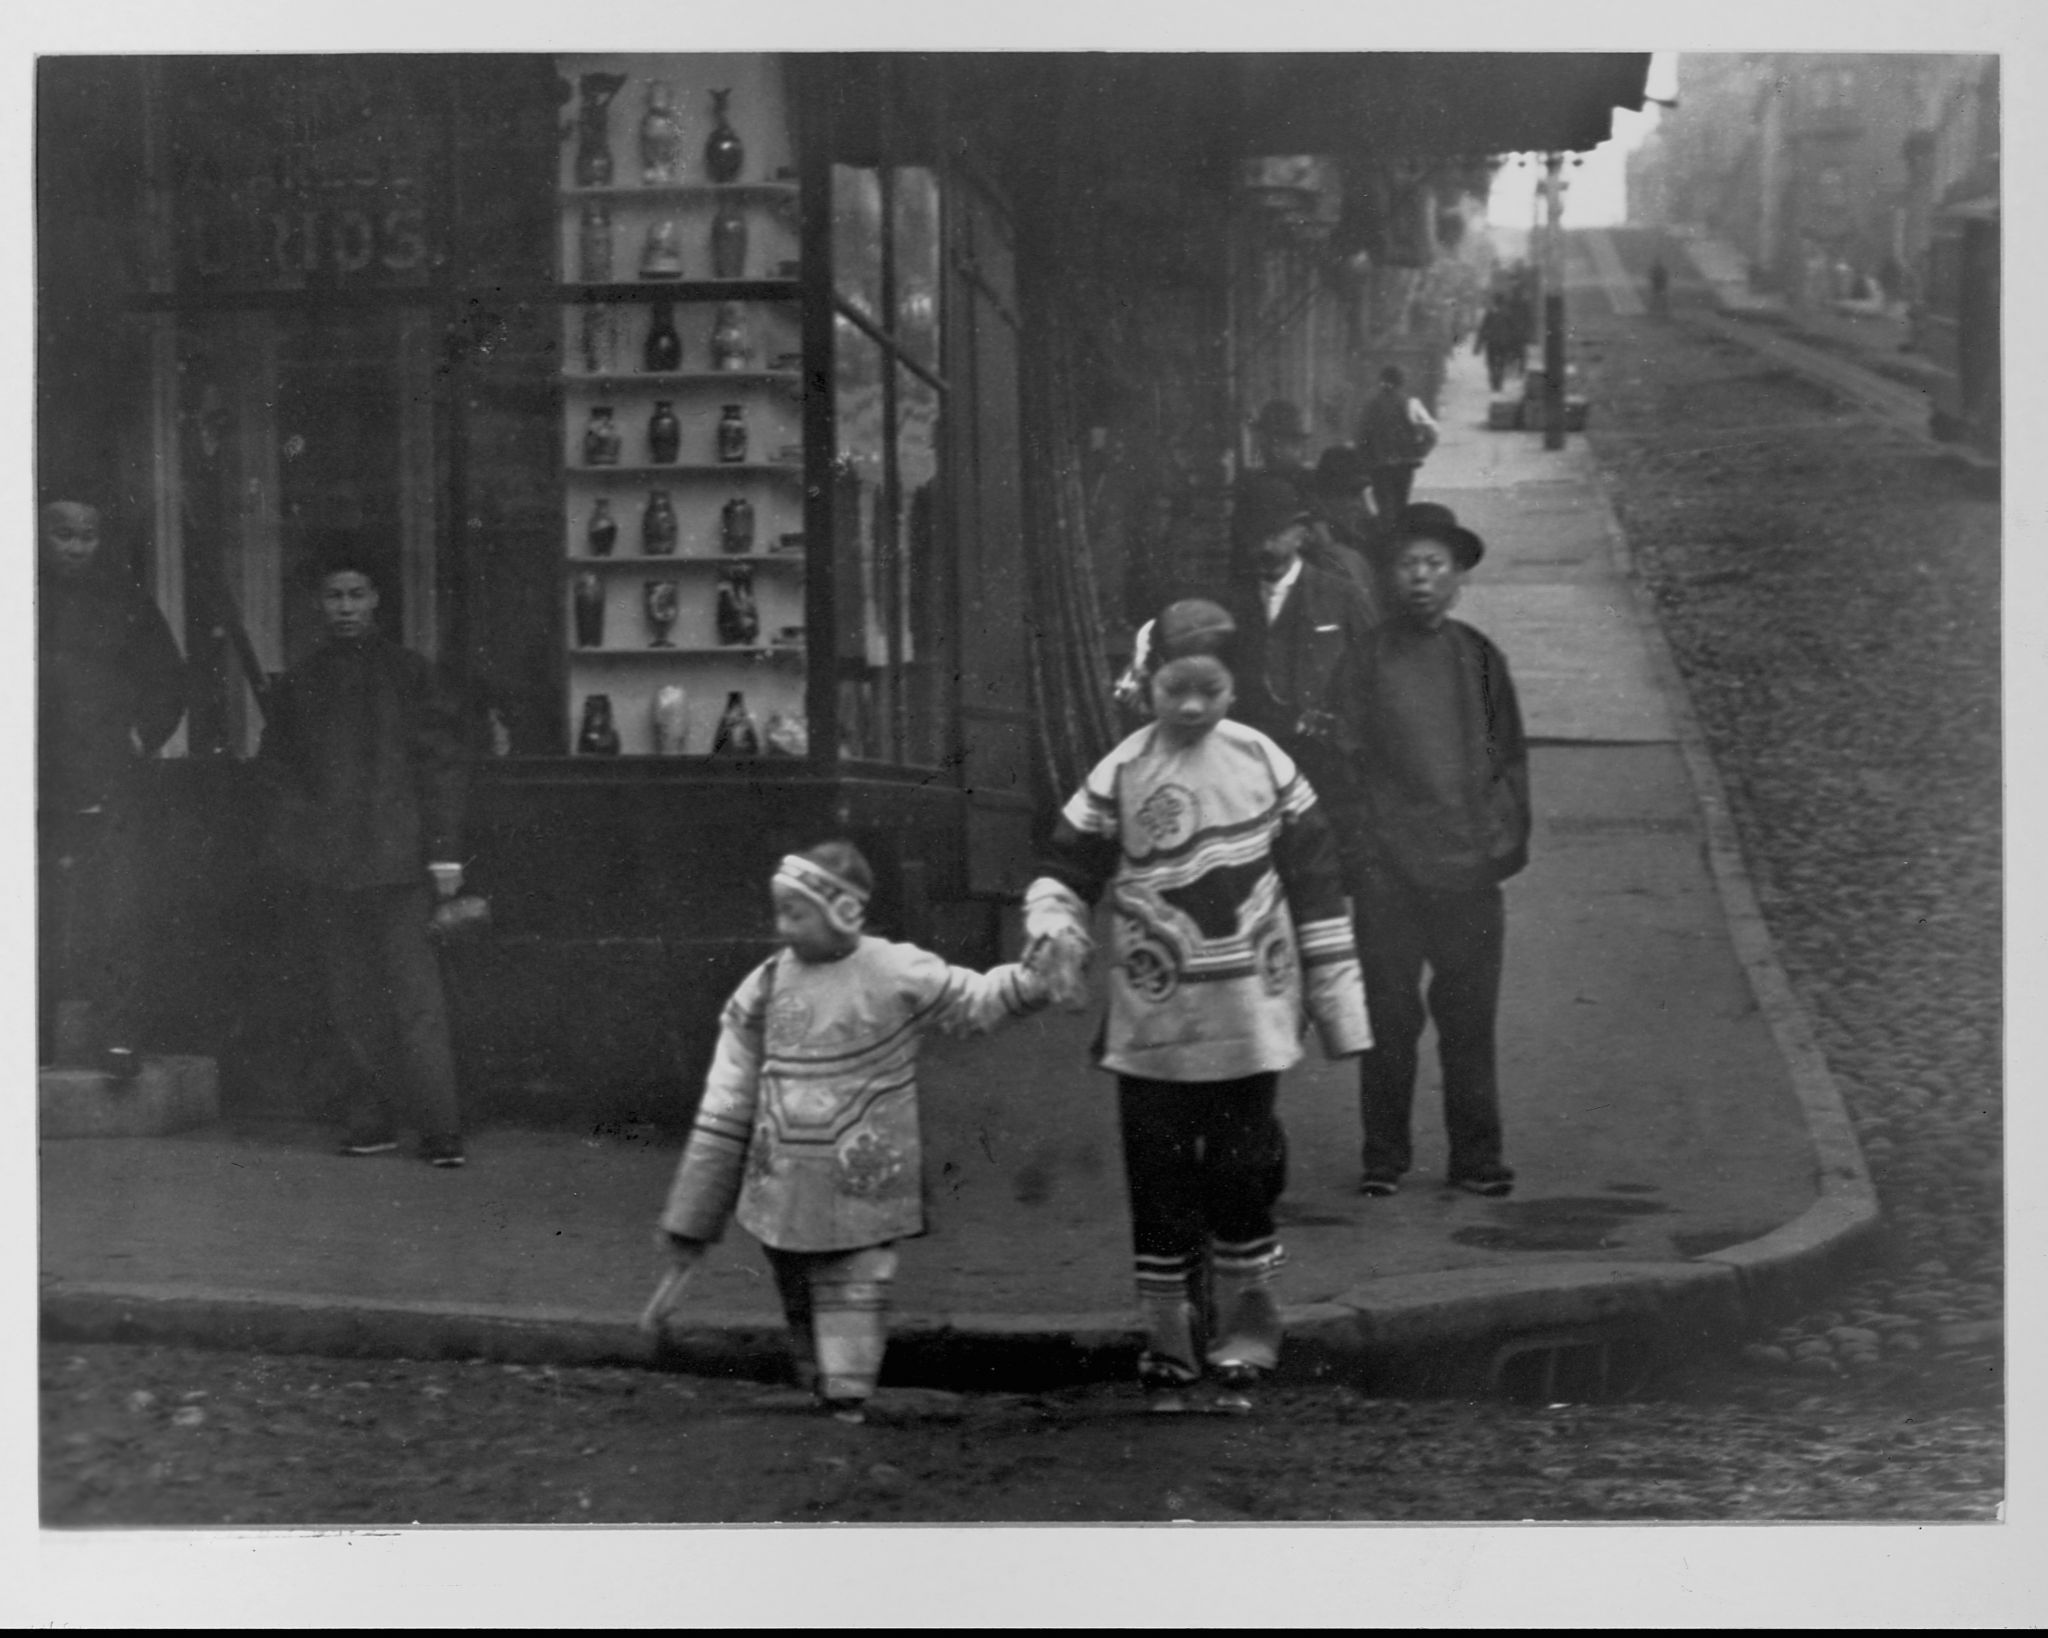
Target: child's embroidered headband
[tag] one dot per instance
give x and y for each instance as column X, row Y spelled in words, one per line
column 844, row 904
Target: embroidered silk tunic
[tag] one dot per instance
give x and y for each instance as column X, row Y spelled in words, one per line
column 808, row 1132
column 1228, row 910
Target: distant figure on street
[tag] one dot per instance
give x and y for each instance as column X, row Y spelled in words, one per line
column 1395, row 436
column 1496, row 339
column 1660, row 286
column 1231, row 925
column 808, row 1128
column 363, row 754
column 1444, row 774
column 110, row 690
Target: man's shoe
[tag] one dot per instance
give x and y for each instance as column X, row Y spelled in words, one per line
column 442, row 1149
column 1490, row 1181
column 369, row 1146
column 120, row 1064
column 1380, row 1184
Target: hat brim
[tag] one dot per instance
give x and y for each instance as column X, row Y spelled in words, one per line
column 1465, row 546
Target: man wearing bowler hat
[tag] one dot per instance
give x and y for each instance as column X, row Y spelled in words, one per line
column 1443, row 781
column 1300, row 635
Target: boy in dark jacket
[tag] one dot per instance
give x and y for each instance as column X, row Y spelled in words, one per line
column 1444, row 778
column 363, row 752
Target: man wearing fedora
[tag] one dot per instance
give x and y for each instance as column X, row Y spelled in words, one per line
column 1443, row 799
column 1301, row 632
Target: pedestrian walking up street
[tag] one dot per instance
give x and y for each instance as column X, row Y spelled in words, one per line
column 362, row 753
column 1395, row 436
column 1497, row 341
column 1444, row 775
column 1230, row 922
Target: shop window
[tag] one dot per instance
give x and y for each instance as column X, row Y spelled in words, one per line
column 893, row 571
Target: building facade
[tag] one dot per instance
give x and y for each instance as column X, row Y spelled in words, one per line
column 828, row 418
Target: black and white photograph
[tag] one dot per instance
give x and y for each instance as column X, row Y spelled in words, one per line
column 1088, row 786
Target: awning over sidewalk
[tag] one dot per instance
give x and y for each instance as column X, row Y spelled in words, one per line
column 1364, row 106
column 1433, row 105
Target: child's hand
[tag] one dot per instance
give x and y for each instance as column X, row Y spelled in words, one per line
column 684, row 1256
column 1060, row 962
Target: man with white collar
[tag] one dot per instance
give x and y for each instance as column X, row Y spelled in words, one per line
column 1300, row 637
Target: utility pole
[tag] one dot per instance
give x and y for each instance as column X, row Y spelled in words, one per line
column 1553, row 306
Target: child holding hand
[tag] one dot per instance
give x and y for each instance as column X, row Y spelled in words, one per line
column 1230, row 923
column 808, row 1129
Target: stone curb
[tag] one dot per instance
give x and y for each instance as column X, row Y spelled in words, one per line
column 1777, row 1271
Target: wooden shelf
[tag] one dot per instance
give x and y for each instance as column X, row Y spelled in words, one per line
column 685, row 378
column 794, row 651
column 681, row 290
column 632, row 560
column 685, row 190
column 731, row 469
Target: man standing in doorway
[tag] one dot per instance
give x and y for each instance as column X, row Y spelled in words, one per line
column 109, row 692
column 363, row 750
column 1395, row 436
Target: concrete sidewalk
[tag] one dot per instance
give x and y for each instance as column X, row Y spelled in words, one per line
column 1681, row 1160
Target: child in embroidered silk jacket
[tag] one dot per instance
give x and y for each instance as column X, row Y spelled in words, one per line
column 808, row 1130
column 1230, row 923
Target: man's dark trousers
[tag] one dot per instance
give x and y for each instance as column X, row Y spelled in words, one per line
column 384, row 997
column 1390, row 489
column 1459, row 937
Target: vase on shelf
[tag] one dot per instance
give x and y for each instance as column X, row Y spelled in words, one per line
column 664, row 433
column 601, row 534
column 601, row 439
column 589, row 610
column 671, row 716
column 732, row 434
column 786, row 735
column 739, row 620
column 664, row 348
column 658, row 526
column 663, row 601
column 736, row 525
column 729, row 240
column 598, row 736
column 594, row 129
column 738, row 734
column 661, row 256
column 594, row 243
column 723, row 152
column 661, row 136
column 729, row 349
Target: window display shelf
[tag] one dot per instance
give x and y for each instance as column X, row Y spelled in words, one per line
column 767, row 192
column 682, row 290
column 685, row 378
column 682, row 469
column 686, row 560
column 759, row 651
